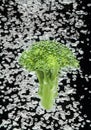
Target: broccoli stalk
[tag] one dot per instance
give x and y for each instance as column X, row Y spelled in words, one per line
column 48, row 87
column 47, row 58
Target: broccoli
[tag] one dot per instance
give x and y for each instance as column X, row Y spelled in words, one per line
column 47, row 58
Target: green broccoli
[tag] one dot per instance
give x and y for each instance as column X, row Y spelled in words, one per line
column 47, row 58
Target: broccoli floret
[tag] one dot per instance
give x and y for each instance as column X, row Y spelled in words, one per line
column 47, row 58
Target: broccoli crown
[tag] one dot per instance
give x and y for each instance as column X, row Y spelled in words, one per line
column 47, row 55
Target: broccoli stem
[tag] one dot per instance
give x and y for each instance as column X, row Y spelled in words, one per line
column 48, row 87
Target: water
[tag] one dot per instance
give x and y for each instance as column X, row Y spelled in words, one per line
column 23, row 22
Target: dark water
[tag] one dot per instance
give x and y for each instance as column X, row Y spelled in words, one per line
column 23, row 22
